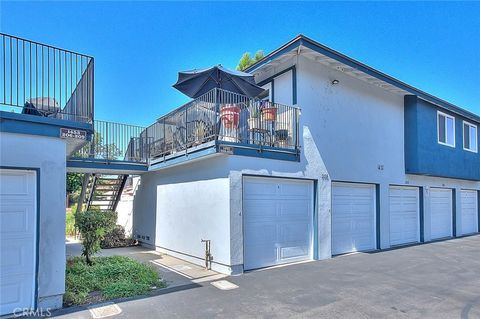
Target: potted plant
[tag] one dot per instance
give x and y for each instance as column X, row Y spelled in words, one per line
column 253, row 121
column 230, row 115
column 269, row 111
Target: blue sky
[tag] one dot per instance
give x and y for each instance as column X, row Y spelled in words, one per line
column 140, row 46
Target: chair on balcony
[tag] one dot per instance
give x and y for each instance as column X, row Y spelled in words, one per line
column 41, row 106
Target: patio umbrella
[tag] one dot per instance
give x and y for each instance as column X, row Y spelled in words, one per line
column 194, row 83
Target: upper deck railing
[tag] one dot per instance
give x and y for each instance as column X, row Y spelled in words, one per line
column 43, row 80
column 115, row 142
column 224, row 116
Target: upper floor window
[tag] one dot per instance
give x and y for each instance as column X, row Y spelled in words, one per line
column 446, row 129
column 470, row 142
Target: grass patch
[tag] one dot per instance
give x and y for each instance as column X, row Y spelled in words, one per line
column 108, row 278
column 70, row 222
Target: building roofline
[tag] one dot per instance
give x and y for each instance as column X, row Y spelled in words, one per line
column 302, row 40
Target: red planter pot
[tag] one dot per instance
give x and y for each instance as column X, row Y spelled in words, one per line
column 269, row 113
column 230, row 114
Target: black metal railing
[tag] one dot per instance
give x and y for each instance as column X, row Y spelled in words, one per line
column 43, row 80
column 221, row 115
column 115, row 142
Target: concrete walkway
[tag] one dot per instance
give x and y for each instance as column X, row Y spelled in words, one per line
column 174, row 271
column 437, row 280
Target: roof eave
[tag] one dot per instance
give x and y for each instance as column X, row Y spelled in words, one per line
column 302, row 40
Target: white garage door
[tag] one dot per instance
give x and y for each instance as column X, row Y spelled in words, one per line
column 404, row 215
column 353, row 217
column 441, row 213
column 17, row 239
column 469, row 211
column 278, row 221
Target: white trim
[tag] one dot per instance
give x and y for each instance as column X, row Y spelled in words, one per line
column 438, row 129
column 463, row 136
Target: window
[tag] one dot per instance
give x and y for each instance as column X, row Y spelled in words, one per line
column 470, row 136
column 446, row 129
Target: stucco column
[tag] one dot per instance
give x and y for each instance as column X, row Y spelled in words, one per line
column 236, row 222
column 324, row 219
column 426, row 214
column 384, row 202
column 457, row 211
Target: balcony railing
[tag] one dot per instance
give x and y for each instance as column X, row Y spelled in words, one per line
column 115, row 142
column 42, row 80
column 228, row 117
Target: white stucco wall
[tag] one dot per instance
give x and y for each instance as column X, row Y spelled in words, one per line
column 180, row 206
column 125, row 205
column 47, row 154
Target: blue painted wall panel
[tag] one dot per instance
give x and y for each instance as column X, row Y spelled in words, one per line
column 424, row 155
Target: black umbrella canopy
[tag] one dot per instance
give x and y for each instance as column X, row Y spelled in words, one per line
column 194, row 83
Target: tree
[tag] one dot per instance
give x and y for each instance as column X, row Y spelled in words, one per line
column 74, row 182
column 246, row 60
column 93, row 225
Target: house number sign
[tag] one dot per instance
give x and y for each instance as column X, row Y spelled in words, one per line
column 71, row 133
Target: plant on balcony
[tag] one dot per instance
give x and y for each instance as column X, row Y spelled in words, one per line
column 269, row 111
column 253, row 120
column 230, row 115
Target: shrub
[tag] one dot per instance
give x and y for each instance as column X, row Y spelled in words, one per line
column 93, row 225
column 116, row 238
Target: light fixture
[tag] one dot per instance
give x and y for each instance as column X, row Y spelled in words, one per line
column 335, row 82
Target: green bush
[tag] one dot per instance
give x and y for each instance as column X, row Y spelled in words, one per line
column 112, row 277
column 93, row 225
column 116, row 238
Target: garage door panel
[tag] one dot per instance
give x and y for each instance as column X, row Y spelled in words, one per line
column 17, row 239
column 294, row 251
column 295, row 210
column 277, row 222
column 16, row 184
column 16, row 256
column 294, row 189
column 258, row 189
column 441, row 213
column 261, row 233
column 16, row 292
column 16, row 221
column 469, row 211
column 353, row 217
column 404, row 215
column 295, row 232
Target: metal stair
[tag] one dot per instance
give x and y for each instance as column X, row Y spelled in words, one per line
column 101, row 191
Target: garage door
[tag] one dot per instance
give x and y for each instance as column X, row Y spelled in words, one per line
column 404, row 215
column 353, row 217
column 278, row 221
column 441, row 213
column 17, row 239
column 469, row 211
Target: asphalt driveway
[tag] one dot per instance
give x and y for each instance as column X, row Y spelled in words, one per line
column 435, row 280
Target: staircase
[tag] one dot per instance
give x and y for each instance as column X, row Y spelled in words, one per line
column 102, row 191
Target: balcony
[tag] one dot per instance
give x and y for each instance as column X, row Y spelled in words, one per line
column 227, row 123
column 41, row 80
column 113, row 147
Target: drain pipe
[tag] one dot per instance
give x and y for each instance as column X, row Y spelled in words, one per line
column 208, row 255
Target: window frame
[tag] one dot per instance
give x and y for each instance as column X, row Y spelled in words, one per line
column 446, row 134
column 463, row 135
